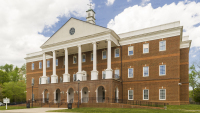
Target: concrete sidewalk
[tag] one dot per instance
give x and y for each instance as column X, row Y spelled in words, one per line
column 32, row 110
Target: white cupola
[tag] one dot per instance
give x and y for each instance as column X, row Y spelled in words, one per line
column 91, row 16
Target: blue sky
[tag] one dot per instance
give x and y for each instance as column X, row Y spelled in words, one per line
column 105, row 13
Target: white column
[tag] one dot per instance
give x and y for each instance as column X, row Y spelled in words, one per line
column 44, row 77
column 79, row 73
column 43, row 96
column 54, row 76
column 94, row 72
column 66, row 76
column 109, row 70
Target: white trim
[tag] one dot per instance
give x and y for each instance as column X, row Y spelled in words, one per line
column 159, row 70
column 102, row 54
column 148, row 71
column 143, row 48
column 115, row 53
column 143, row 94
column 37, row 58
column 165, row 45
column 185, row 44
column 91, row 57
column 128, row 50
column 159, row 94
column 82, row 57
column 73, row 59
column 128, row 72
column 128, row 95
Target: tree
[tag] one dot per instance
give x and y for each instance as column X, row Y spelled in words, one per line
column 15, row 91
column 7, row 68
column 14, row 75
column 4, row 77
column 193, row 78
column 196, row 96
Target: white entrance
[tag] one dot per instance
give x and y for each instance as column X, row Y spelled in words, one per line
column 70, row 95
column 84, row 95
column 100, row 94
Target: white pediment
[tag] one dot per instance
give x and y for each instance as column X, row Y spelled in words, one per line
column 82, row 29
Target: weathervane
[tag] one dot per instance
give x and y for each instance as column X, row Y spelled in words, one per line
column 90, row 5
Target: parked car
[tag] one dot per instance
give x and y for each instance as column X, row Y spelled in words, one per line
column 2, row 104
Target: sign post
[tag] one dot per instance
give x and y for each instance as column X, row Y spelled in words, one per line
column 6, row 100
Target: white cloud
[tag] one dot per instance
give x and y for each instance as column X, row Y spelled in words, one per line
column 138, row 17
column 144, row 2
column 194, row 56
column 21, row 20
column 110, row 2
column 128, row 0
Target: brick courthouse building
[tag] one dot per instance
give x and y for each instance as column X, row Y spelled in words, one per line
column 150, row 64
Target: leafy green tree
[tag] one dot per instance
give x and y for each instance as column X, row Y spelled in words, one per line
column 7, row 68
column 15, row 91
column 4, row 77
column 14, row 75
column 196, row 96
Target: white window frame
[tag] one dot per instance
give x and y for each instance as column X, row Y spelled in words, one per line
column 56, row 62
column 143, row 48
column 73, row 60
column 39, row 65
column 128, row 72
column 115, row 53
column 105, row 74
column 165, row 45
column 91, row 57
column 143, row 94
column 128, row 95
column 159, row 70
column 159, row 94
column 102, row 54
column 32, row 66
column 148, row 71
column 47, row 63
column 82, row 57
column 128, row 51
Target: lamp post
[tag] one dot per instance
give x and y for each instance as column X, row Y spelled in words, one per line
column 78, row 92
column 32, row 92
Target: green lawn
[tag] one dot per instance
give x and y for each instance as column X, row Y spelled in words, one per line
column 170, row 109
column 13, row 107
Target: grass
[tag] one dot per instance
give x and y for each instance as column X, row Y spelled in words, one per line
column 13, row 107
column 170, row 109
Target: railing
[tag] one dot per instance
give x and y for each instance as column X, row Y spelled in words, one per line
column 84, row 78
column 198, row 103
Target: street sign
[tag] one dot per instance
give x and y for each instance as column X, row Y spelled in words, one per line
column 6, row 100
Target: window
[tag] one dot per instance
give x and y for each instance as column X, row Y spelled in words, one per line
column 91, row 56
column 117, row 73
column 83, row 58
column 40, row 65
column 56, row 62
column 64, row 61
column 162, row 70
column 145, row 71
column 32, row 66
column 74, row 77
column 48, row 80
column 117, row 52
column 104, row 54
column 130, row 73
column 162, row 45
column 162, row 94
column 103, row 74
column 145, row 94
column 48, row 63
column 146, row 48
column 40, row 80
column 32, row 81
column 130, row 94
column 74, row 59
column 130, row 50
column 61, row 80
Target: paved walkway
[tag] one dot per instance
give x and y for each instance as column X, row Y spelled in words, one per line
column 32, row 110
